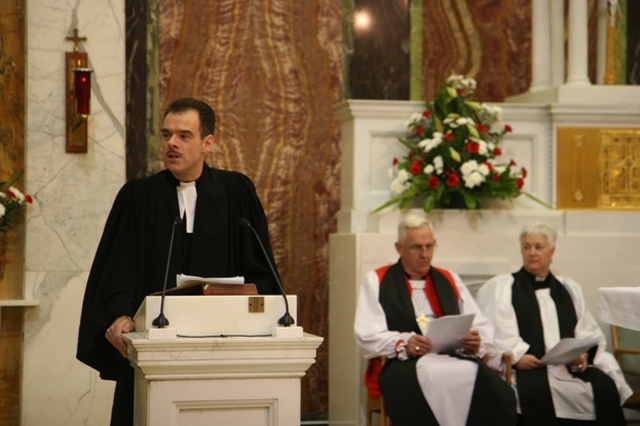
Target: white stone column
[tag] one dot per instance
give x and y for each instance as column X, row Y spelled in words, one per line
column 556, row 28
column 540, row 42
column 578, row 44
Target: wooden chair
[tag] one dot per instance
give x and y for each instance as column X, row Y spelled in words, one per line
column 376, row 405
column 626, row 343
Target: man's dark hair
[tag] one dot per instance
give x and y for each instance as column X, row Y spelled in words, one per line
column 207, row 115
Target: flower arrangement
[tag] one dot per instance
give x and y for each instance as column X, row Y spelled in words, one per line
column 453, row 148
column 11, row 201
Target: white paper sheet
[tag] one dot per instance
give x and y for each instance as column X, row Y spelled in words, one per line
column 181, row 279
column 446, row 332
column 567, row 350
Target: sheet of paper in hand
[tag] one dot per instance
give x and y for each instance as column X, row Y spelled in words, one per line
column 567, row 350
column 446, row 332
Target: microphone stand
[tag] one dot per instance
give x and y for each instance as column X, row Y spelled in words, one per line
column 161, row 321
column 286, row 320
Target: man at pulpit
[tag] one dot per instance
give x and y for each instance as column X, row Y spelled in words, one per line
column 532, row 310
column 189, row 207
column 420, row 387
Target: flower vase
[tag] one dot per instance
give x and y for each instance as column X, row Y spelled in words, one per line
column 456, row 201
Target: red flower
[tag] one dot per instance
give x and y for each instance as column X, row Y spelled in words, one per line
column 10, row 193
column 459, row 91
column 524, row 173
column 495, row 177
column 395, row 160
column 415, row 167
column 452, row 179
column 473, row 147
column 508, row 128
column 449, row 135
column 410, row 155
column 28, row 198
column 481, row 127
column 520, row 183
column 489, row 165
column 497, row 150
column 512, row 162
column 433, row 182
column 426, row 113
column 419, row 130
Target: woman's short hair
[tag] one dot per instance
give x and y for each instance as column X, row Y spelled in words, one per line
column 540, row 228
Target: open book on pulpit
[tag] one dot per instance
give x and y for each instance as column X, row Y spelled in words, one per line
column 212, row 307
column 189, row 285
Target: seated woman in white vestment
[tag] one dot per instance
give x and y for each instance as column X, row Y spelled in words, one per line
column 418, row 386
column 532, row 310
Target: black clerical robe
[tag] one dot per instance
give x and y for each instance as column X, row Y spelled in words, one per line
column 131, row 258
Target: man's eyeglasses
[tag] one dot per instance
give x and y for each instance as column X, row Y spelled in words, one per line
column 417, row 248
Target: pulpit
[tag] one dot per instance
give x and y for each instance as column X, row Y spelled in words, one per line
column 224, row 366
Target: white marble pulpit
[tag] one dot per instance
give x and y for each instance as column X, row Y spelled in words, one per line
column 219, row 381
column 223, row 360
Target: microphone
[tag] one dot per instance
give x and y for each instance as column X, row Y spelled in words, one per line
column 286, row 320
column 161, row 321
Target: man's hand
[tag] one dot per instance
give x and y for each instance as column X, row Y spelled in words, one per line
column 528, row 362
column 122, row 325
column 418, row 345
column 471, row 342
column 579, row 364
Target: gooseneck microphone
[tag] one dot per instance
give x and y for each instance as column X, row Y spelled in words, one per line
column 286, row 320
column 161, row 321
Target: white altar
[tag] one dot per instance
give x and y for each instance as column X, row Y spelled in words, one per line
column 595, row 247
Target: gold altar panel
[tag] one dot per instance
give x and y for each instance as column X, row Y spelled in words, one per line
column 598, row 168
column 619, row 163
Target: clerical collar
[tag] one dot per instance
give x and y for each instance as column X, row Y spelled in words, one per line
column 540, row 282
column 424, row 277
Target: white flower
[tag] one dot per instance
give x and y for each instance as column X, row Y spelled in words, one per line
column 414, row 121
column 438, row 164
column 454, row 122
column 472, row 173
column 428, row 169
column 18, row 195
column 459, row 82
column 401, row 182
column 429, row 144
column 2, row 210
column 490, row 114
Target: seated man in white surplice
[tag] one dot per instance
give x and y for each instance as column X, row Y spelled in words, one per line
column 532, row 310
column 420, row 387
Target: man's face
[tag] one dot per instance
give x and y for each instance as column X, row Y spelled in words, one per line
column 416, row 251
column 536, row 254
column 183, row 148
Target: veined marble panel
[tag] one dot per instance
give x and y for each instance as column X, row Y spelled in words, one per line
column 272, row 72
column 73, row 195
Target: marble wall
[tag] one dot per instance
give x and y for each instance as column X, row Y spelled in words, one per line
column 73, row 194
column 272, row 72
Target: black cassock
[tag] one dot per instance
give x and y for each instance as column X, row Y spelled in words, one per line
column 130, row 261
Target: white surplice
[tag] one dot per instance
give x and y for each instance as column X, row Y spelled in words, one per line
column 447, row 383
column 572, row 398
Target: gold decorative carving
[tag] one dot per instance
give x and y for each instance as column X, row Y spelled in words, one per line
column 598, row 168
column 619, row 163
